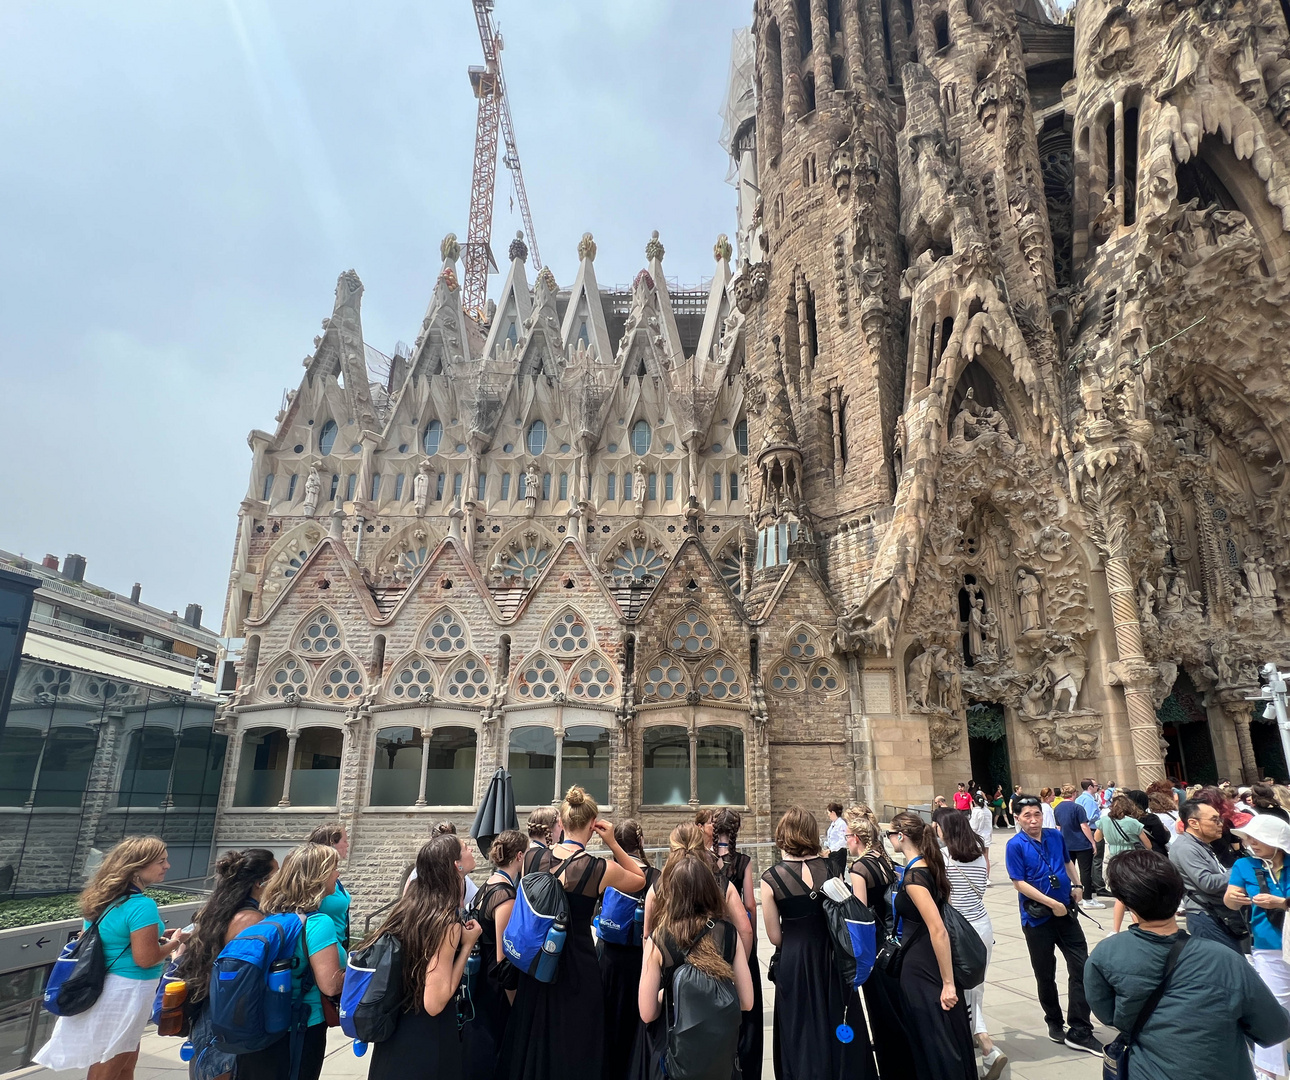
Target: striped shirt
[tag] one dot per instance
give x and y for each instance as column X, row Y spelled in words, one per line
column 967, row 886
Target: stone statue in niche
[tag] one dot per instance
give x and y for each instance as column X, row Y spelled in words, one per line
column 986, row 100
column 421, row 488
column 313, row 486
column 922, row 680
column 1066, row 672
column 976, row 623
column 1028, row 600
column 531, row 481
column 640, row 490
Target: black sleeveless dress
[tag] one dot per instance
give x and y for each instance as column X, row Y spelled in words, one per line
column 810, row 999
column 726, row 939
column 942, row 1045
column 538, row 857
column 752, row 1035
column 482, row 1036
column 422, row 1047
column 620, row 976
column 557, row 1030
column 882, row 991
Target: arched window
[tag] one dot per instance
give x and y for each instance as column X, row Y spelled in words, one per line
column 741, row 436
column 327, row 437
column 585, row 760
column 315, row 772
column 720, row 754
column 785, row 678
column 535, row 440
column 468, row 681
column 450, row 766
column 665, row 681
column 693, row 634
column 320, row 634
column 290, row 677
column 637, row 562
column 568, row 634
column 825, row 678
column 262, row 768
column 413, row 679
column 445, row 636
column 342, row 681
column 539, row 679
column 432, row 437
column 531, row 761
column 546, row 486
column 665, row 779
column 593, row 680
column 526, row 563
column 396, row 767
column 641, row 438
column 803, row 646
column 731, row 567
column 719, row 679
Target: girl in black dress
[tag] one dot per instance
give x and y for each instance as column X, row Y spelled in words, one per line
column 811, row 1002
column 735, row 867
column 620, row 968
column 871, row 876
column 545, row 831
column 557, row 1029
column 426, row 1044
column 933, row 1008
column 494, row 988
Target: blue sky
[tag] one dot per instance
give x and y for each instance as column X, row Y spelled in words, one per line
column 181, row 183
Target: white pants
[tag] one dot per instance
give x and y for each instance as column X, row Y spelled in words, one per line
column 1276, row 976
column 974, row 999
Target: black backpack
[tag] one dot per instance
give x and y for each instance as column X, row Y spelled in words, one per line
column 703, row 1018
column 372, row 996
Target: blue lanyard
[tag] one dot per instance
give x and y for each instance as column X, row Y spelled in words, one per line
column 574, row 843
column 510, row 880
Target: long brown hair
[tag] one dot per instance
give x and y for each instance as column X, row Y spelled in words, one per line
column 924, row 838
column 115, row 875
column 425, row 912
column 236, row 874
column 631, row 838
column 1122, row 807
column 541, row 824
column 963, row 844
column 691, row 897
column 330, row 834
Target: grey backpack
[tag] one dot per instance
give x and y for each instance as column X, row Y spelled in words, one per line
column 702, row 1023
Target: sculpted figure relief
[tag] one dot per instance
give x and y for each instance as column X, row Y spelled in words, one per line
column 421, row 488
column 1028, row 600
column 313, row 486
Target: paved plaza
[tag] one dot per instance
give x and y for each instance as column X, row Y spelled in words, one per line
column 1015, row 1018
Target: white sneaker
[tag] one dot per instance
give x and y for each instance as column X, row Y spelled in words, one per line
column 994, row 1063
column 1092, row 904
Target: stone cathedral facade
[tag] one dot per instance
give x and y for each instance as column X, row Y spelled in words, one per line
column 972, row 464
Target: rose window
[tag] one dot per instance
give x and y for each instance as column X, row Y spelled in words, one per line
column 568, row 635
column 53, row 681
column 288, row 679
column 665, row 680
column 825, row 679
column 785, row 678
column 636, row 563
column 593, row 680
column 802, row 647
column 343, row 681
column 446, row 635
column 414, row 557
column 414, row 680
column 469, row 681
column 294, row 564
column 538, row 680
column 525, row 563
column 731, row 567
column 693, row 634
column 320, row 635
column 719, row 679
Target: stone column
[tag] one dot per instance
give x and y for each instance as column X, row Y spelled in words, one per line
column 292, row 737
column 1239, row 711
column 694, row 759
column 791, row 63
column 559, row 754
column 821, row 48
column 426, row 732
column 1138, row 676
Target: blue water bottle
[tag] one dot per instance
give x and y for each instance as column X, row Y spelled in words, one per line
column 472, row 967
column 551, row 949
column 638, row 925
column 277, row 1002
column 360, row 1048
column 187, row 1051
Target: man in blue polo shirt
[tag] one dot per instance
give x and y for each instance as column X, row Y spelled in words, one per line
column 1094, row 885
column 1042, row 871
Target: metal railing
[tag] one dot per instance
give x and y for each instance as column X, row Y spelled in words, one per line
column 73, row 630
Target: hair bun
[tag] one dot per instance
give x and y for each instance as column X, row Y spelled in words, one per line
column 576, row 796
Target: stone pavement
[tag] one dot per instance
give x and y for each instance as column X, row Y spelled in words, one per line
column 1016, row 1022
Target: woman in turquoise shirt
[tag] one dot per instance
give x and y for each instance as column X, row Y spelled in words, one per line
column 336, row 904
column 1258, row 882
column 105, row 1038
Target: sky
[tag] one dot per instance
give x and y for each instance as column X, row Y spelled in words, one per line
column 181, row 184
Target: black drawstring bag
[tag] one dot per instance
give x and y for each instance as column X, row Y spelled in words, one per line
column 76, row 982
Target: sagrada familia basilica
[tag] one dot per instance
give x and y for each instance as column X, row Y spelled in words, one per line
column 971, row 462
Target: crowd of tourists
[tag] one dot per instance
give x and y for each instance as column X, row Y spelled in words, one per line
column 641, row 973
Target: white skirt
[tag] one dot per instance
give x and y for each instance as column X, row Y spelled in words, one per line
column 112, row 1025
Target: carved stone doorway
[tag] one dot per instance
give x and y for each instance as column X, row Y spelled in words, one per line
column 1184, row 724
column 1267, row 748
column 988, row 747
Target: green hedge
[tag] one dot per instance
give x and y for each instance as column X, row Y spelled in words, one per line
column 55, row 908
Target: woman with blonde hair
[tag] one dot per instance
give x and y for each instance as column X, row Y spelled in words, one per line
column 427, row 923
column 105, row 1038
column 557, row 1029
column 810, row 1000
column 335, row 906
column 307, row 877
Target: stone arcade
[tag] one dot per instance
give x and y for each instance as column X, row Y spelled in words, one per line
column 975, row 465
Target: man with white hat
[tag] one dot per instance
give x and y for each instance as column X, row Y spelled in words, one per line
column 1259, row 882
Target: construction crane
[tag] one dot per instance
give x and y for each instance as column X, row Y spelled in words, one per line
column 494, row 112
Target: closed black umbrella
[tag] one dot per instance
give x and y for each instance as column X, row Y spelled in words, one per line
column 496, row 810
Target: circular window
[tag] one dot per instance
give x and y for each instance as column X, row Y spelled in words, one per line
column 446, row 635
column 412, row 681
column 824, row 679
column 785, row 679
column 593, row 680
column 403, row 448
column 469, row 681
column 320, row 635
column 537, row 681
column 536, row 438
column 665, row 681
column 693, row 635
column 719, row 680
column 802, row 648
column 343, row 681
column 668, row 447
column 289, row 678
column 716, row 448
column 568, row 635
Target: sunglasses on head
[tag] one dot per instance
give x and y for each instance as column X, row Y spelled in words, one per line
column 1029, row 800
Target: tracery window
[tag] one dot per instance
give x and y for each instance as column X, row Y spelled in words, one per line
column 412, row 680
column 535, row 440
column 693, row 634
column 637, row 562
column 327, row 437
column 741, row 436
column 719, row 679
column 289, row 677
column 731, row 567
column 592, row 679
column 568, row 634
column 320, row 634
column 539, row 680
column 665, row 680
column 342, row 681
column 786, row 679
column 295, row 563
column 641, row 438
column 468, row 681
column 527, row 562
column 445, row 636
column 414, row 557
column 825, row 679
column 803, row 647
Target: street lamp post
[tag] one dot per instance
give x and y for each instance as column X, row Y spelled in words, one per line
column 1274, row 693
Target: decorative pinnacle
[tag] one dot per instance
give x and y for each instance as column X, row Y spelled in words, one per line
column 450, row 250
column 547, row 279
column 518, row 249
column 654, row 250
column 587, row 248
column 721, row 250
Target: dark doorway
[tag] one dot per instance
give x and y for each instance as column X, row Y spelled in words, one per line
column 988, row 747
column 1185, row 726
column 1268, row 753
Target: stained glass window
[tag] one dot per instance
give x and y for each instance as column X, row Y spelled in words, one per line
column 568, row 634
column 320, row 634
column 637, row 562
column 446, row 636
column 741, row 436
column 693, row 634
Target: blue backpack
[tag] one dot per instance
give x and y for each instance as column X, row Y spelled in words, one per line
column 853, row 932
column 242, row 1016
column 372, row 997
column 538, row 925
column 621, row 918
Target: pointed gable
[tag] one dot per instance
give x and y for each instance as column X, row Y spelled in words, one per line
column 447, row 337
column 718, row 310
column 448, row 577
column 584, row 329
column 691, row 564
column 513, row 308
column 341, row 354
column 329, row 575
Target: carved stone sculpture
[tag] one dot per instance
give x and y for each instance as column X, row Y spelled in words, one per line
column 1028, row 600
column 313, row 488
column 421, row 487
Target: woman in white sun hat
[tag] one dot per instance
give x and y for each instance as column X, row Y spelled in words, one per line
column 1259, row 882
